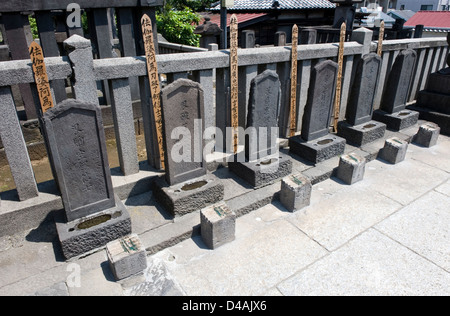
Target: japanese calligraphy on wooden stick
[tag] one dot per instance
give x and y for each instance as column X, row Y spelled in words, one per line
column 234, row 81
column 294, row 65
column 380, row 40
column 337, row 101
column 153, row 78
column 41, row 77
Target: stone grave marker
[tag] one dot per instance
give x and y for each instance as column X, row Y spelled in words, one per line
column 393, row 104
column 359, row 129
column 187, row 186
column 93, row 215
column 263, row 114
column 264, row 161
column 316, row 144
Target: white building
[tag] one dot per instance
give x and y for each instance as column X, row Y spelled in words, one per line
column 413, row 5
column 423, row 5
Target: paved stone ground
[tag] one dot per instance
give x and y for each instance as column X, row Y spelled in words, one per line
column 386, row 235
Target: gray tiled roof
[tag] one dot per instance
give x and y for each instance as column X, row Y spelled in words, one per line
column 249, row 5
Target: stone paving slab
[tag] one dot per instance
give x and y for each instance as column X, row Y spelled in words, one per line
column 334, row 221
column 370, row 264
column 233, row 268
column 444, row 188
column 403, row 182
column 423, row 226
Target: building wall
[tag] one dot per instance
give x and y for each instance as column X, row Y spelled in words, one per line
column 416, row 5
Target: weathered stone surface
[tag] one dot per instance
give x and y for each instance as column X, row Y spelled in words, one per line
column 427, row 135
column 263, row 113
column 361, row 134
column 218, row 225
column 190, row 196
column 439, row 83
column 126, row 256
column 79, row 51
column 83, row 235
column 318, row 150
column 351, row 168
column 316, row 120
column 394, row 150
column 399, row 81
column 263, row 171
column 158, row 282
column 265, row 163
column 295, row 192
column 77, row 149
column 183, row 110
column 398, row 120
column 438, row 102
column 15, row 147
column 362, row 96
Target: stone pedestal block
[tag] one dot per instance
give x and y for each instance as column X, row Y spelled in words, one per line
column 295, row 192
column 218, row 225
column 398, row 120
column 362, row 134
column 394, row 150
column 427, row 135
column 190, row 196
column 91, row 232
column 318, row 150
column 351, row 168
column 263, row 171
column 126, row 257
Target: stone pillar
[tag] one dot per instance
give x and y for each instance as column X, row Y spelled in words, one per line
column 280, row 39
column 79, row 51
column 364, row 37
column 248, row 39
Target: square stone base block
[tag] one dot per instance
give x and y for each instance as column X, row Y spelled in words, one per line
column 264, row 171
column 91, row 232
column 295, row 192
column 428, row 135
column 190, row 196
column 394, row 150
column 398, row 120
column 351, row 168
column 218, row 225
column 126, row 256
column 318, row 150
column 362, row 134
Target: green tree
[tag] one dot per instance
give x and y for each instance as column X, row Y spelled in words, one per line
column 195, row 5
column 178, row 25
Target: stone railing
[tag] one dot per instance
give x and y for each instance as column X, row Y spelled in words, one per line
column 30, row 203
column 173, row 48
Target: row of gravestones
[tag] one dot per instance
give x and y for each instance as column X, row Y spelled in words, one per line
column 94, row 216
